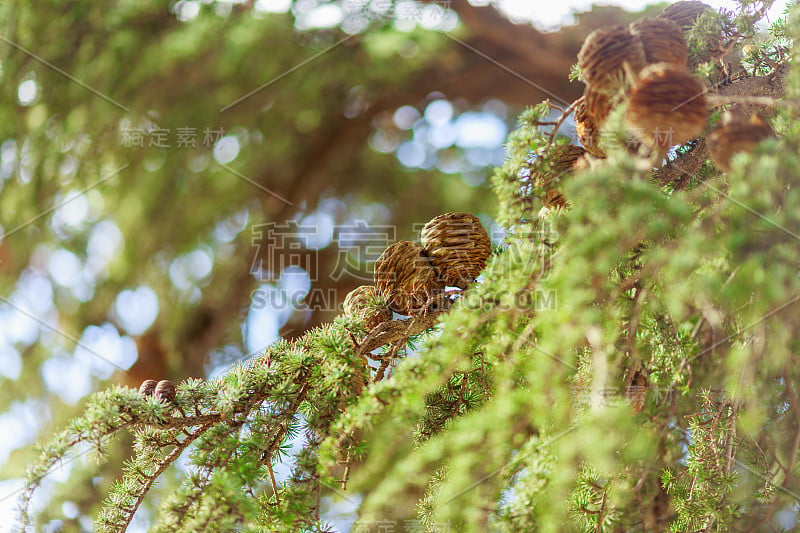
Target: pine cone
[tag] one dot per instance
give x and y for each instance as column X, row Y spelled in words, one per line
column 405, row 277
column 365, row 303
column 458, row 246
column 565, row 156
column 662, row 40
column 636, row 391
column 603, row 54
column 563, row 160
column 667, row 106
column 598, row 105
column 147, row 387
column 737, row 134
column 587, row 130
column 554, row 199
column 165, row 391
column 684, row 13
column 360, row 380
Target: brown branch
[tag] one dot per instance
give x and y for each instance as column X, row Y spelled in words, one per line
column 346, row 473
column 34, row 482
column 679, row 172
column 772, row 85
column 599, row 528
column 273, row 482
column 200, row 419
column 564, row 114
column 633, row 322
column 393, row 331
column 386, row 360
column 187, row 421
column 462, row 393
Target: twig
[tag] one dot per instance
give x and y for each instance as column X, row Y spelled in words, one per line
column 633, row 323
column 395, row 330
column 274, row 484
column 679, row 171
column 462, row 393
column 287, row 415
column 346, row 474
column 564, row 114
column 386, row 360
column 601, row 511
column 768, row 101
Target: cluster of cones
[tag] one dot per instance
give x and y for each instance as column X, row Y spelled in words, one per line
column 163, row 390
column 453, row 251
column 647, row 64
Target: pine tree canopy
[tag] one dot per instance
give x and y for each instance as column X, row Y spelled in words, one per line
column 406, row 266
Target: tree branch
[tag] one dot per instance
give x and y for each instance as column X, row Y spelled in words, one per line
column 393, row 331
column 680, row 170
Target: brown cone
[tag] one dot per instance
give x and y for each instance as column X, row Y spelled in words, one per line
column 565, row 156
column 587, row 130
column 667, row 106
column 684, row 13
column 737, row 134
column 636, row 391
column 598, row 105
column 165, row 391
column 405, row 277
column 604, row 54
column 662, row 40
column 564, row 159
column 458, row 246
column 365, row 303
column 147, row 387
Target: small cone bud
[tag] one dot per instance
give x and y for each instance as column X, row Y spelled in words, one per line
column 365, row 302
column 147, row 387
column 165, row 391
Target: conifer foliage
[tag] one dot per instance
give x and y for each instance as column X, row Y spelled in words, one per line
column 628, row 361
